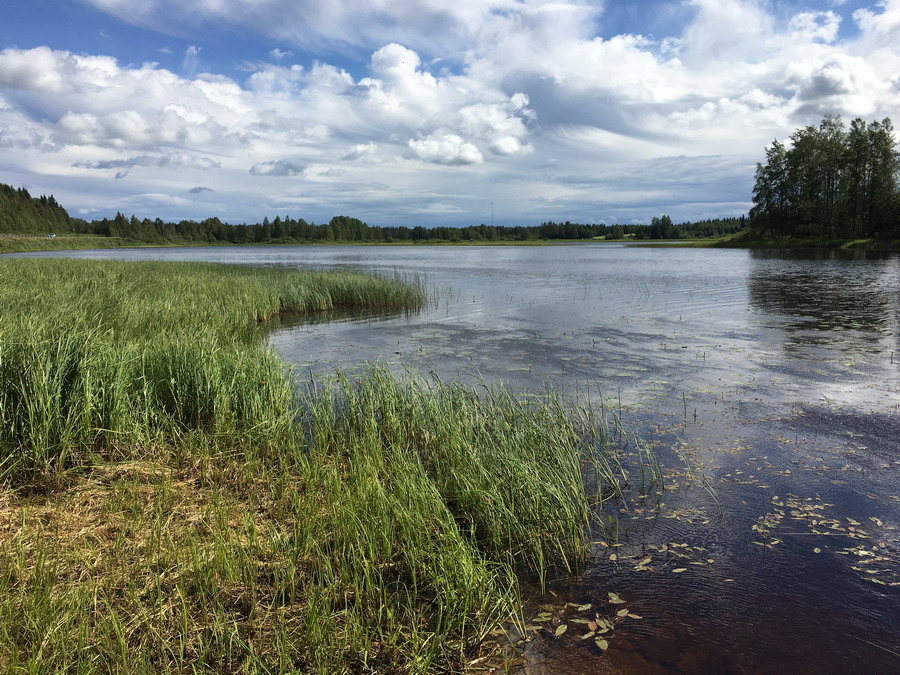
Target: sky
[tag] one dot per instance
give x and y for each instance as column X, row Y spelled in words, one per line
column 426, row 112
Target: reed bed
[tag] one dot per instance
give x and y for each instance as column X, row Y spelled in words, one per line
column 172, row 502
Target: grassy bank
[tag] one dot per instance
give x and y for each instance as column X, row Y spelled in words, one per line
column 13, row 243
column 170, row 502
column 749, row 239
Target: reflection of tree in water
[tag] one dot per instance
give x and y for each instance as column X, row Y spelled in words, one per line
column 818, row 292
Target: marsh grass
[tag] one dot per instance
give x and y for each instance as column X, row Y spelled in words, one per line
column 171, row 502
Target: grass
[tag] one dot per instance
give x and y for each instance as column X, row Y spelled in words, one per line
column 172, row 501
column 753, row 240
column 12, row 243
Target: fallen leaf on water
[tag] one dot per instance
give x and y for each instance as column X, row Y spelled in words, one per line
column 679, row 570
column 592, row 625
column 622, row 612
column 615, row 599
column 634, row 616
column 588, row 636
column 583, row 608
column 817, row 550
column 613, row 557
column 562, row 628
column 603, row 644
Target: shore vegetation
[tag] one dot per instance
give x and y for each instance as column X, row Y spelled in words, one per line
column 172, row 500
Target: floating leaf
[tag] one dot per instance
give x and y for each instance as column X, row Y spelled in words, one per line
column 615, row 599
column 634, row 616
column 622, row 612
column 817, row 550
column 583, row 608
column 613, row 557
column 603, row 644
column 679, row 570
column 588, row 636
column 592, row 625
column 560, row 629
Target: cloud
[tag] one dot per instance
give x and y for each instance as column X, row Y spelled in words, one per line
column 170, row 161
column 434, row 26
column 816, row 26
column 884, row 24
column 394, row 106
column 199, row 190
column 281, row 167
column 361, row 151
column 191, row 61
column 445, row 148
column 278, row 54
column 841, row 84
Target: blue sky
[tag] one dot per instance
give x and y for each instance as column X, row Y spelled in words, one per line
column 426, row 111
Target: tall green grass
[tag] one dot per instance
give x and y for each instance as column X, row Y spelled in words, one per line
column 173, row 502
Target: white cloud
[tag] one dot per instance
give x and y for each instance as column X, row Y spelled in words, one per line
column 191, row 61
column 883, row 24
column 816, row 26
column 839, row 84
column 445, row 148
column 508, row 90
column 279, row 54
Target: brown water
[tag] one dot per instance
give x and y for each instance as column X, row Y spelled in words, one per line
column 777, row 375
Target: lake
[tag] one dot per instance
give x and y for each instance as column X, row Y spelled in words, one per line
column 775, row 375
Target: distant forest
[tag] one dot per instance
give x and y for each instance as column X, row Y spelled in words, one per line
column 831, row 182
column 22, row 213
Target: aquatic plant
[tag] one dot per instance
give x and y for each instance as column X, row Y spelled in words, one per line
column 171, row 501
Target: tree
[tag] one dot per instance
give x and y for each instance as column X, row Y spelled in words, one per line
column 830, row 182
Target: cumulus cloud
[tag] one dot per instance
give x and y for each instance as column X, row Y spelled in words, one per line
column 199, row 190
column 514, row 87
column 445, row 148
column 281, row 167
column 817, row 26
column 840, row 84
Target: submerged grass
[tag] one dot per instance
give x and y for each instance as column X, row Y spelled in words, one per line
column 171, row 502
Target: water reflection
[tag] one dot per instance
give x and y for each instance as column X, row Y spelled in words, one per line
column 831, row 295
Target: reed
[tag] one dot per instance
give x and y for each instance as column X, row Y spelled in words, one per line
column 173, row 501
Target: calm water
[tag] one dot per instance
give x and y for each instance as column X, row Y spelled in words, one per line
column 776, row 375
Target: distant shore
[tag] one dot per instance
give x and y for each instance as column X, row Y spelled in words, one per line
column 32, row 243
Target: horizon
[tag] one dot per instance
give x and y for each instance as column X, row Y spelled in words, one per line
column 514, row 112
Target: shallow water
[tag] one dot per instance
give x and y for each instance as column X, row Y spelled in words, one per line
column 776, row 374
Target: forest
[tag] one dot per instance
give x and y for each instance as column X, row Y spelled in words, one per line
column 23, row 214
column 830, row 182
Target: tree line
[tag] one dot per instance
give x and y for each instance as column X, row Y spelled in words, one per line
column 349, row 229
column 831, row 182
column 22, row 213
